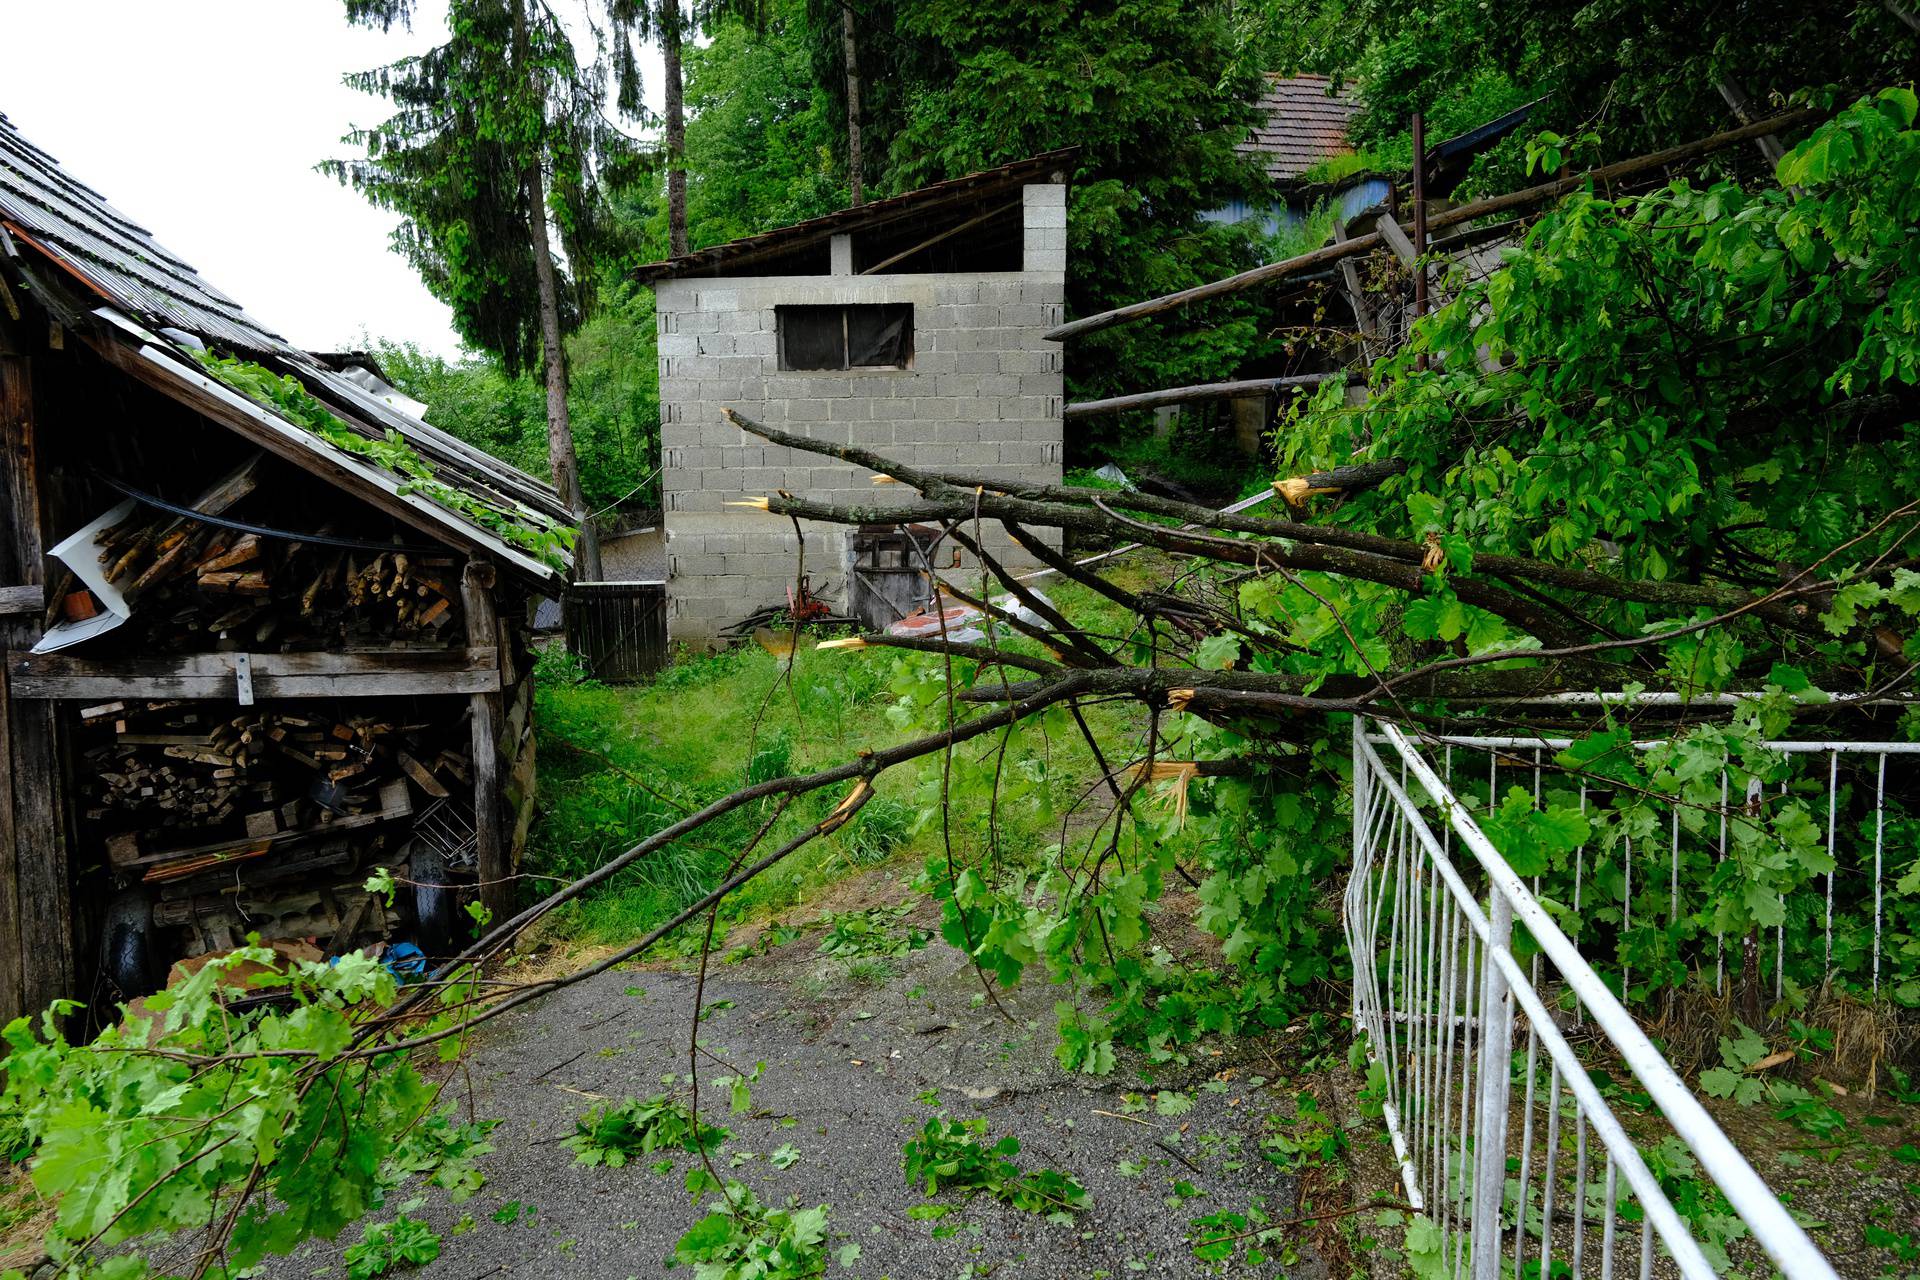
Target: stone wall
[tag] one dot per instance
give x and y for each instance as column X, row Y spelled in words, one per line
column 983, row 394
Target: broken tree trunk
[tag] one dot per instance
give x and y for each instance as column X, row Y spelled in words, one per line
column 1525, row 199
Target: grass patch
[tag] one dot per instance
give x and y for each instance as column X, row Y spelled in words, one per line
column 618, row 763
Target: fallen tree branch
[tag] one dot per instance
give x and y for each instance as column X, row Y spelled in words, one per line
column 951, row 494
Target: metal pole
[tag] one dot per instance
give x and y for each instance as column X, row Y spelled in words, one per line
column 1420, row 220
column 1496, row 1051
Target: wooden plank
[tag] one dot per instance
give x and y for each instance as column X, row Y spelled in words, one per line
column 496, row 888
column 1397, row 241
column 61, row 676
column 1356, row 296
column 319, row 663
column 942, row 236
column 13, row 405
column 31, row 598
column 221, row 688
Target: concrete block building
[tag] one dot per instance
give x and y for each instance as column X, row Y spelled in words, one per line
column 911, row 325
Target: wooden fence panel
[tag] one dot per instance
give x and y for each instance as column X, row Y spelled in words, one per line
column 618, row 629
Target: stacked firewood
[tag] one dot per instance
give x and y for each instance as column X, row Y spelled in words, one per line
column 214, row 582
column 192, row 584
column 175, row 776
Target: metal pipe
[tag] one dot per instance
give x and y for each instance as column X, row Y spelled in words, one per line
column 1786, row 746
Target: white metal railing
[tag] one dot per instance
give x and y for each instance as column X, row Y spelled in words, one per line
column 1857, row 842
column 1440, row 994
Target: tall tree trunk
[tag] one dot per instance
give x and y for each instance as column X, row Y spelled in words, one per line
column 676, row 113
column 852, row 52
column 560, row 453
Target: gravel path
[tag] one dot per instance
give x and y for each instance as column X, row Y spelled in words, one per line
column 850, row 1075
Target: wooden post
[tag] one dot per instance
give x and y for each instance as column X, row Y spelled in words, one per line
column 15, row 395
column 36, row 910
column 1420, row 220
column 496, row 891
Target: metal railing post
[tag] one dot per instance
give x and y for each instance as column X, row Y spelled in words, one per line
column 1361, row 821
column 1496, row 1071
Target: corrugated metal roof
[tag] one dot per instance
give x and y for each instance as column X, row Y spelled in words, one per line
column 145, row 284
column 968, row 193
column 115, row 255
column 1305, row 122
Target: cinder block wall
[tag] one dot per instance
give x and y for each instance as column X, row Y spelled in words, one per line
column 983, row 394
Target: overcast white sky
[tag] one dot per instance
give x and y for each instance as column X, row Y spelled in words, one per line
column 203, row 121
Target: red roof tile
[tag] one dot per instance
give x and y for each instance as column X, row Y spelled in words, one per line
column 1306, row 122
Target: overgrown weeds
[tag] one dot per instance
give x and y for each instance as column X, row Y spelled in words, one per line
column 619, row 763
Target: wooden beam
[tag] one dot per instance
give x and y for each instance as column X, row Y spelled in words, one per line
column 1398, row 241
column 1524, row 199
column 31, row 598
column 1202, row 391
column 1356, row 297
column 58, row 676
column 490, row 850
column 19, row 531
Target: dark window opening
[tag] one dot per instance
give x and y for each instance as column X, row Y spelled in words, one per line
column 860, row 336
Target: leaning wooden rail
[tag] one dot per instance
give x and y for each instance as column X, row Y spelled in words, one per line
column 1201, row 391
column 1527, row 198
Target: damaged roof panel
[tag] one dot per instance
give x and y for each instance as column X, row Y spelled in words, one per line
column 48, row 219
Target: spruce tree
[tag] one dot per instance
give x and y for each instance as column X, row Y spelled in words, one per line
column 500, row 137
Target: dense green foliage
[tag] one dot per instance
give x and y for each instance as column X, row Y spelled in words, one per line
column 1644, row 75
column 146, row 1131
column 473, row 118
column 612, row 395
column 1155, row 94
column 759, row 141
column 1680, row 394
